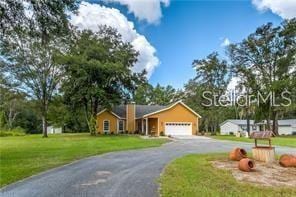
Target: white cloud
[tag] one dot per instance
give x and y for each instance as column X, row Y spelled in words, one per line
column 148, row 10
column 91, row 16
column 284, row 8
column 225, row 42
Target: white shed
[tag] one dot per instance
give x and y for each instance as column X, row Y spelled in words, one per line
column 54, row 130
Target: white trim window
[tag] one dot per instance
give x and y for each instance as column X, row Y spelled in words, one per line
column 106, row 126
column 120, row 125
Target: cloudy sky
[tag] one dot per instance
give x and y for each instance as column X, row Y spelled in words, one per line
column 170, row 34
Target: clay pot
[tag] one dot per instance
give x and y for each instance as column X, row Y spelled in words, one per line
column 288, row 160
column 237, row 154
column 246, row 165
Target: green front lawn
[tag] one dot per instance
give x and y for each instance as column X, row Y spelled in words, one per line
column 193, row 175
column 27, row 155
column 280, row 141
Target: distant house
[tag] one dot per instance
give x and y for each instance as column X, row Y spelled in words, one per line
column 54, row 130
column 173, row 119
column 285, row 127
column 232, row 126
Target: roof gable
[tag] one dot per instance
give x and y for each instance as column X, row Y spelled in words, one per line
column 171, row 106
column 105, row 110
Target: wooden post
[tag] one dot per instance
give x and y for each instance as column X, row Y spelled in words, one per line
column 142, row 123
column 146, row 126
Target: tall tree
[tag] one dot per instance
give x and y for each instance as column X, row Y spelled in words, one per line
column 211, row 76
column 265, row 61
column 164, row 95
column 31, row 32
column 158, row 95
column 98, row 72
column 143, row 94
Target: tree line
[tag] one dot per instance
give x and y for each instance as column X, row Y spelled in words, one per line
column 264, row 63
column 53, row 72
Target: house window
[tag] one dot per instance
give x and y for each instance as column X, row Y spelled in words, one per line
column 120, row 125
column 106, row 125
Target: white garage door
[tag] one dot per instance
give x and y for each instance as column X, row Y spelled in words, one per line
column 178, row 128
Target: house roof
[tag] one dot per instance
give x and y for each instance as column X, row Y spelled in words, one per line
column 238, row 122
column 141, row 110
column 144, row 110
column 119, row 110
column 172, row 105
column 287, row 122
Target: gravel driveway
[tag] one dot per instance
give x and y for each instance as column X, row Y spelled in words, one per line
column 127, row 173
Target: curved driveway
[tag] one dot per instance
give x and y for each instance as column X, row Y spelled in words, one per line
column 127, row 173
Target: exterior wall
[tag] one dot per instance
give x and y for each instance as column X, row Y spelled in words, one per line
column 228, row 127
column 285, row 130
column 106, row 116
column 130, row 117
column 54, row 130
column 139, row 125
column 153, row 125
column 178, row 113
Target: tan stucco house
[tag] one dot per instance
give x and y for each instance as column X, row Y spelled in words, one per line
column 174, row 119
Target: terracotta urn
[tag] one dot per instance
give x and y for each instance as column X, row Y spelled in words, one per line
column 237, row 154
column 246, row 164
column 288, row 160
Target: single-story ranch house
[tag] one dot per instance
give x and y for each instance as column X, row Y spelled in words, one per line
column 285, row 127
column 174, row 119
column 233, row 126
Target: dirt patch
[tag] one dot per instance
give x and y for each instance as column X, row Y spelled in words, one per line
column 263, row 174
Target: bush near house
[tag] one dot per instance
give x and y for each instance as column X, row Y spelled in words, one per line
column 18, row 131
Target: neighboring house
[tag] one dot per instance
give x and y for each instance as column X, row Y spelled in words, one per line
column 54, row 130
column 285, row 127
column 232, row 126
column 174, row 119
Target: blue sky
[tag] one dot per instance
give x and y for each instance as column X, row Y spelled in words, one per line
column 190, row 30
column 193, row 29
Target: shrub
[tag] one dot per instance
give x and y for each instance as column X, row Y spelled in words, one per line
column 18, row 131
column 161, row 133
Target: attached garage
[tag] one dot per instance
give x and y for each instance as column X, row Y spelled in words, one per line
column 175, row 120
column 178, row 128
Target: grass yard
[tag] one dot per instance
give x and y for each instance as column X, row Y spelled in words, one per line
column 280, row 141
column 193, row 175
column 27, row 155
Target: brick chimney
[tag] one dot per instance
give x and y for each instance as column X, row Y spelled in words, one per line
column 131, row 117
